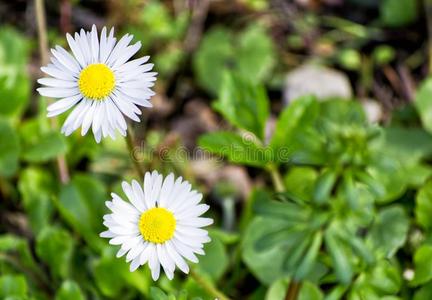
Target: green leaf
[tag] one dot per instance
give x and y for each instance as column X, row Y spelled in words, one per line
column 386, row 278
column 195, row 290
column 14, row 94
column 310, row 291
column 416, row 174
column 69, row 290
column 363, row 292
column 339, row 256
column 422, row 266
column 47, row 147
column 310, row 257
column 111, row 275
column 277, row 290
column 213, row 57
column 13, row 285
column 258, row 260
column 37, row 187
column 54, row 246
column 243, row 104
column 9, row 149
column 236, row 148
column 423, row 208
column 162, row 27
column 14, row 80
column 424, row 292
column 381, row 282
column 383, row 55
column 350, row 192
column 258, row 5
column 109, row 272
column 226, row 237
column 389, row 231
column 294, row 136
column 357, row 244
column 392, row 179
column 343, row 112
column 396, row 13
column 399, row 141
column 289, row 212
column 82, row 205
column 169, row 60
column 294, row 255
column 157, row 294
column 336, row 293
column 14, row 50
column 249, row 54
column 182, row 295
column 349, row 59
column 423, row 103
column 255, row 54
column 299, row 181
column 324, row 186
column 284, row 235
column 215, row 262
column 19, row 247
column 375, row 186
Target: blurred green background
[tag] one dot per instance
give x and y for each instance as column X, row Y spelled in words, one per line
column 306, row 124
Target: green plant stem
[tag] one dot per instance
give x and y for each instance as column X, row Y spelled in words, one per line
column 131, row 147
column 294, row 286
column 277, row 179
column 228, row 206
column 428, row 11
column 4, row 193
column 43, row 49
column 293, row 290
column 208, row 286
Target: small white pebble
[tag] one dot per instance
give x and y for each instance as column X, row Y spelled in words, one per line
column 408, row 274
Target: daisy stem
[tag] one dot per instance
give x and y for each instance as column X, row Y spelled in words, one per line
column 43, row 49
column 208, row 286
column 294, row 286
column 131, row 147
column 42, row 31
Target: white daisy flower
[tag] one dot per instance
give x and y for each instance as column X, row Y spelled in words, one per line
column 160, row 226
column 99, row 82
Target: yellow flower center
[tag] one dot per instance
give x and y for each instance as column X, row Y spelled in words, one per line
column 157, row 225
column 96, row 81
